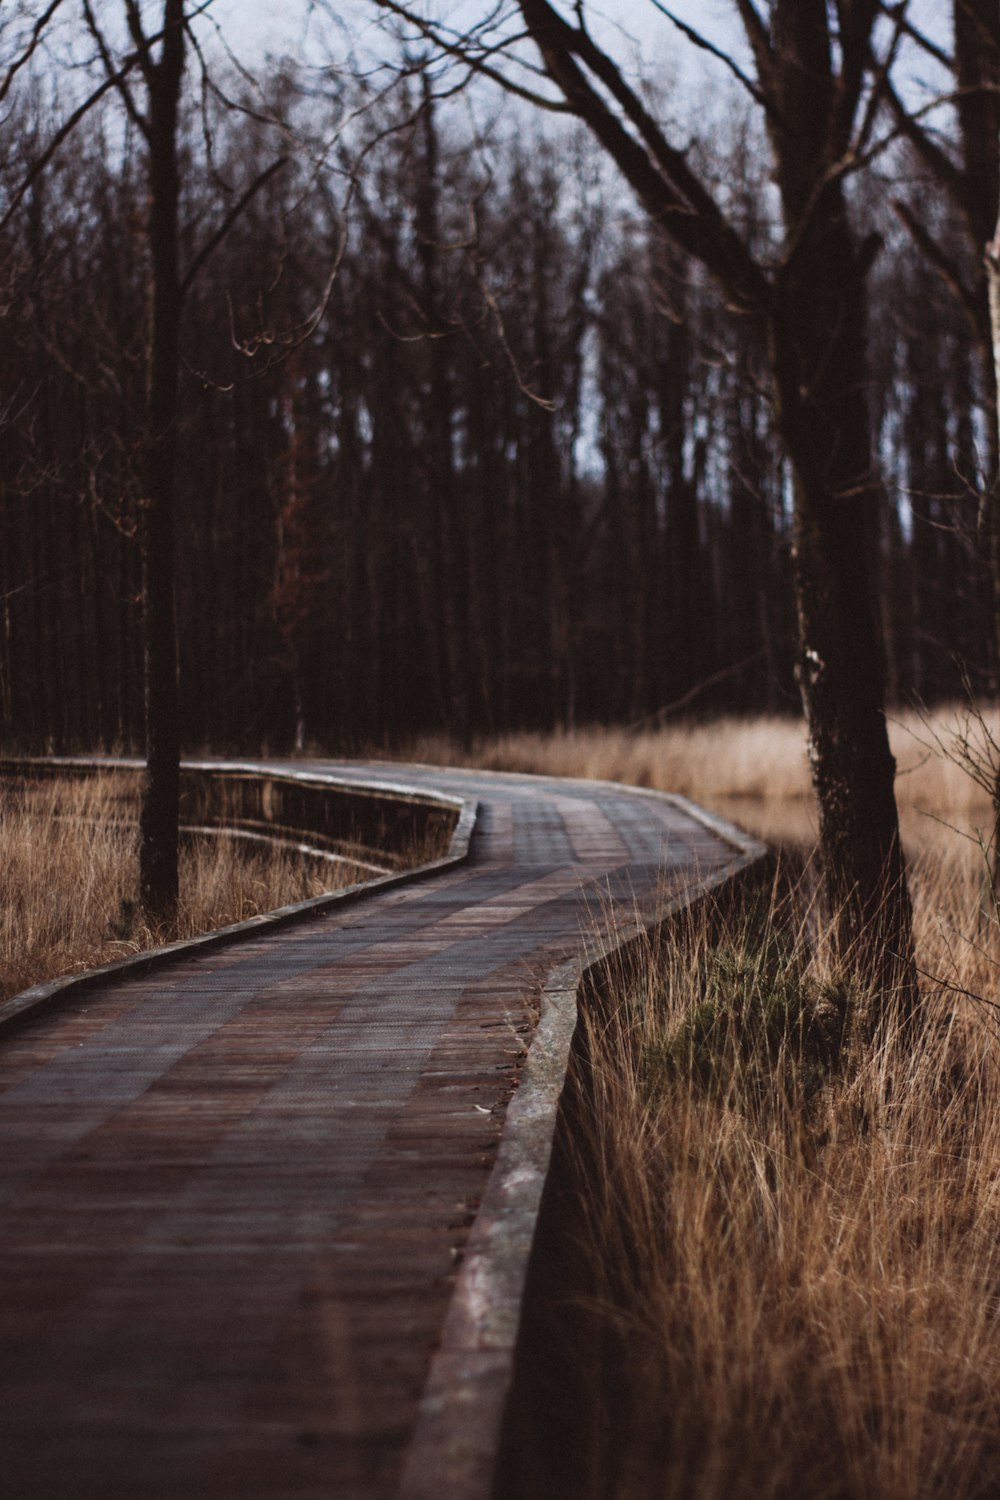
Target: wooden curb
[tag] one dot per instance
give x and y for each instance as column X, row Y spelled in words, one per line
column 31, row 1004
column 456, row 1442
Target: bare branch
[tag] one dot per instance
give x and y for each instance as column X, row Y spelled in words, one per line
column 939, row 162
column 216, row 239
column 512, row 362
column 66, row 129
column 458, row 47
column 29, row 49
column 287, row 340
column 702, row 42
column 139, row 38
column 211, row 87
column 758, row 36
column 139, row 58
column 898, row 13
column 671, row 192
column 881, row 73
column 109, row 68
column 939, row 258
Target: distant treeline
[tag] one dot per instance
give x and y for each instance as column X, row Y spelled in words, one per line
column 463, row 447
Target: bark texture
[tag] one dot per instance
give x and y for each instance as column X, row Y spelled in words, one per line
column 817, row 336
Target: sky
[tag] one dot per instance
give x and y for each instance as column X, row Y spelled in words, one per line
column 279, row 26
column 631, row 25
column 640, row 37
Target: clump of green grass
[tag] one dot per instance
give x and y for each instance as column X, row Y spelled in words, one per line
column 759, row 1021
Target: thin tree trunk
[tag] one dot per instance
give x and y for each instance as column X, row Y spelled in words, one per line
column 158, row 881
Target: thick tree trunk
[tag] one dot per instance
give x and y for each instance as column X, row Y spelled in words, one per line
column 818, row 355
column 158, row 881
column 817, row 337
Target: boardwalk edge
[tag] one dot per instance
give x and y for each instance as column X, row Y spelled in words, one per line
column 455, row 1447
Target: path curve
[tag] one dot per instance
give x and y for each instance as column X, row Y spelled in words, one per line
column 265, row 1212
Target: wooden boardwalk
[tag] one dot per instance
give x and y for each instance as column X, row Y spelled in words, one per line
column 236, row 1193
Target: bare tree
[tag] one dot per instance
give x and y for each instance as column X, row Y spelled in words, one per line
column 162, row 75
column 465, row 551
column 815, row 78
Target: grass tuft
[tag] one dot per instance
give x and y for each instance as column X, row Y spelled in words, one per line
column 759, row 1022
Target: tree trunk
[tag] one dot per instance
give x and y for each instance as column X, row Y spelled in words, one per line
column 839, row 670
column 818, row 356
column 813, row 309
column 449, row 547
column 158, row 880
column 993, row 520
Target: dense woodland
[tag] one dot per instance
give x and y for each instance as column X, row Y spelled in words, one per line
column 463, row 445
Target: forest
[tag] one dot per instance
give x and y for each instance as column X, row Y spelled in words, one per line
column 462, row 442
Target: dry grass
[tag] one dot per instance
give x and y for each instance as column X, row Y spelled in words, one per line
column 794, row 1237
column 68, row 872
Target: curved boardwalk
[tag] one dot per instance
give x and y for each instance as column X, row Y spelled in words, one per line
column 235, row 1193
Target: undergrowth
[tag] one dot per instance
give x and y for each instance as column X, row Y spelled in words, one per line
column 759, row 1020
column 793, row 1230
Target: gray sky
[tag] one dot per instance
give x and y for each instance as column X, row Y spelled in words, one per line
column 637, row 34
column 627, row 25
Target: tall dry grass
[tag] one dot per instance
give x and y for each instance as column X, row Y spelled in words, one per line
column 68, row 860
column 793, row 1234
